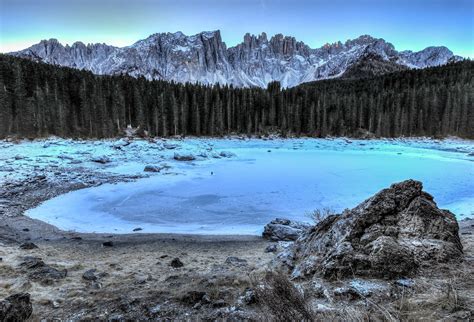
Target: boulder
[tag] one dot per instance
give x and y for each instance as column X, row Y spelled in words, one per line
column 16, row 307
column 223, row 154
column 152, row 168
column 176, row 263
column 93, row 278
column 101, row 159
column 90, row 275
column 284, row 230
column 170, row 146
column 391, row 234
column 227, row 154
column 184, row 157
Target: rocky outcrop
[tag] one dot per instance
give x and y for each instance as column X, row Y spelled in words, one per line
column 16, row 308
column 393, row 233
column 205, row 58
column 284, row 230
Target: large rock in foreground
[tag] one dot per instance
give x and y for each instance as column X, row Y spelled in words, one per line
column 393, row 233
column 16, row 308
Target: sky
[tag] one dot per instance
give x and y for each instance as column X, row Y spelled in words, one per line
column 408, row 24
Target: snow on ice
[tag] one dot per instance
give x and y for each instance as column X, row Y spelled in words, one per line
column 235, row 186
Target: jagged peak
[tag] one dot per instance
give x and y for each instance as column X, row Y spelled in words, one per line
column 76, row 44
column 210, row 34
column 364, row 40
column 50, row 40
column 257, row 60
column 179, row 35
column 255, row 39
column 287, row 44
column 336, row 44
column 281, row 37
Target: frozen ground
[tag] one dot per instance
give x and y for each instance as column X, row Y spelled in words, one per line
column 234, row 194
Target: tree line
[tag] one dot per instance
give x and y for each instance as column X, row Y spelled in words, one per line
column 39, row 99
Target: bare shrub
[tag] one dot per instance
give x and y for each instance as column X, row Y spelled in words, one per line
column 319, row 214
column 277, row 295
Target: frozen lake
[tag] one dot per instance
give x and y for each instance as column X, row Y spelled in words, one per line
column 264, row 180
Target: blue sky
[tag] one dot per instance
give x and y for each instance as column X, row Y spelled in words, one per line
column 408, row 24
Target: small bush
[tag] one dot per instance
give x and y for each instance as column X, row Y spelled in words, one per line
column 281, row 300
column 319, row 214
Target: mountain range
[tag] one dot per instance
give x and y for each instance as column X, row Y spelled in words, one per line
column 257, row 61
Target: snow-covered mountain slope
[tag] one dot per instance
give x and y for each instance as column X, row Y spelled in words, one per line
column 205, row 58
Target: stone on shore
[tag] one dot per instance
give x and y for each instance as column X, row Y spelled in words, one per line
column 152, row 168
column 184, row 157
column 284, row 230
column 391, row 234
column 101, row 159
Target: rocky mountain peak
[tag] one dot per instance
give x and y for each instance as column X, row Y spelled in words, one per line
column 50, row 41
column 286, row 45
column 361, row 40
column 211, row 34
column 430, row 56
column 257, row 61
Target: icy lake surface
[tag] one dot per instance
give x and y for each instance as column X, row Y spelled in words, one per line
column 264, row 180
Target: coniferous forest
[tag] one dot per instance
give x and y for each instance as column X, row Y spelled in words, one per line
column 39, row 100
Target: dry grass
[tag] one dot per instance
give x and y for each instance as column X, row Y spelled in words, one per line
column 442, row 299
column 444, row 296
column 281, row 300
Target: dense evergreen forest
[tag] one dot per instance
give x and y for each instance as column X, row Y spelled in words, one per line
column 38, row 100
